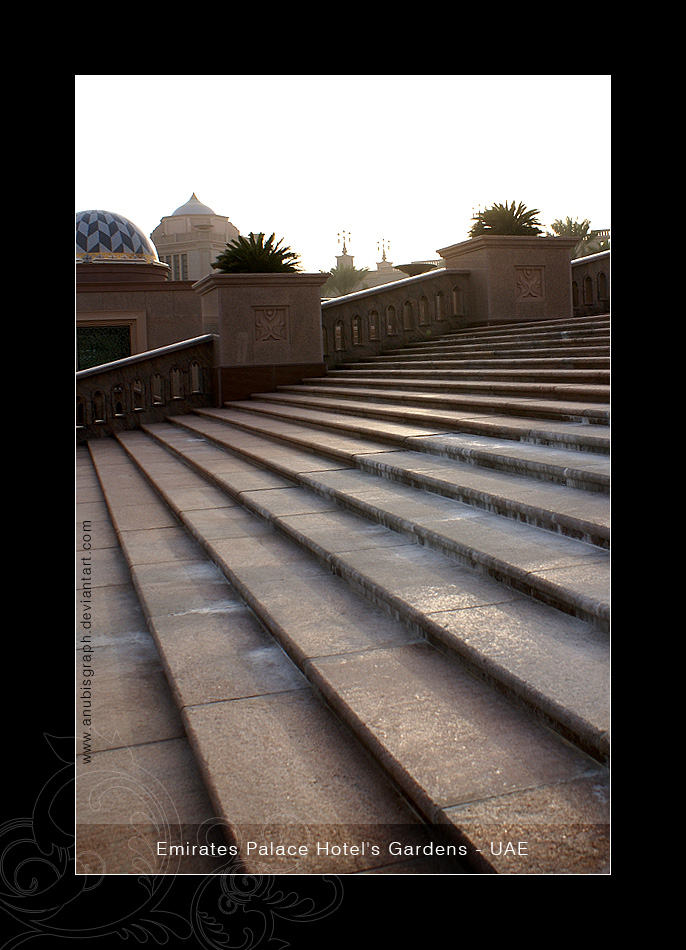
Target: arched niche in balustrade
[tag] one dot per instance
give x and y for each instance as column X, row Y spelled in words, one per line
column 458, row 301
column 176, row 383
column 99, row 411
column 339, row 336
column 81, row 414
column 373, row 324
column 356, row 330
column 602, row 286
column 440, row 306
column 575, row 294
column 118, row 402
column 408, row 315
column 195, row 377
column 325, row 341
column 157, row 389
column 424, row 313
column 391, row 321
column 588, row 290
column 138, row 395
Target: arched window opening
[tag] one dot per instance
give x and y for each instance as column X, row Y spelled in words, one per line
column 118, row 401
column 458, row 301
column 391, row 321
column 80, row 412
column 440, row 305
column 325, row 342
column 339, row 336
column 98, row 401
column 408, row 315
column 424, row 316
column 575, row 294
column 157, row 390
column 602, row 286
column 356, row 330
column 588, row 290
column 195, row 374
column 373, row 325
column 137, row 395
column 176, row 383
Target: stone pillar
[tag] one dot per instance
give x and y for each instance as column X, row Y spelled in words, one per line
column 515, row 278
column 268, row 330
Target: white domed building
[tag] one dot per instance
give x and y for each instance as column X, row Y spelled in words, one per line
column 191, row 238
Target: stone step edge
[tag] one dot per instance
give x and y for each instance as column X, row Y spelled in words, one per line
column 547, row 518
column 502, row 349
column 565, row 723
column 538, row 588
column 452, row 387
column 437, row 824
column 518, row 428
column 494, row 460
column 590, row 323
column 563, row 411
column 570, row 439
column 547, row 364
column 398, row 773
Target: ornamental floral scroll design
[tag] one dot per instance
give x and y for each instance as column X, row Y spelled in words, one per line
column 529, row 282
column 271, row 323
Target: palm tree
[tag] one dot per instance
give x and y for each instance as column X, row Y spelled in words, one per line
column 589, row 242
column 506, row 219
column 254, row 255
column 343, row 280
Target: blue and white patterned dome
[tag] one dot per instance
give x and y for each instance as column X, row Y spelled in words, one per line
column 103, row 236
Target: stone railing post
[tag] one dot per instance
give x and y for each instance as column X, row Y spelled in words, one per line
column 516, row 278
column 268, row 330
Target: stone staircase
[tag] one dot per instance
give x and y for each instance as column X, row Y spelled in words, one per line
column 386, row 625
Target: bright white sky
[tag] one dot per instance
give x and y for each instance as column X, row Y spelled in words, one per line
column 403, row 158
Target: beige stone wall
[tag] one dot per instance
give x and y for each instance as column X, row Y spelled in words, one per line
column 516, row 278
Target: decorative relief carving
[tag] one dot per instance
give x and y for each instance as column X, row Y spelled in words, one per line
column 529, row 282
column 271, row 323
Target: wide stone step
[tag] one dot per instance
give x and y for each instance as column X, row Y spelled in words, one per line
column 268, row 748
column 578, row 469
column 448, row 385
column 583, row 327
column 429, row 364
column 488, row 351
column 464, row 755
column 580, row 436
column 558, row 508
column 555, row 569
column 528, row 408
column 597, row 377
column 588, row 335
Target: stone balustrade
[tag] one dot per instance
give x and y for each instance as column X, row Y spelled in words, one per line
column 147, row 388
column 369, row 322
column 591, row 284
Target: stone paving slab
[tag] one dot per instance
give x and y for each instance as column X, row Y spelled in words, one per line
column 310, row 785
column 547, row 829
column 434, row 730
column 128, row 800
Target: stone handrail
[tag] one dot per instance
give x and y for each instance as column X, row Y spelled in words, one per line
column 386, row 317
column 146, row 387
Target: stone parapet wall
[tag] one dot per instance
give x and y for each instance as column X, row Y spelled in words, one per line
column 370, row 322
column 591, row 284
